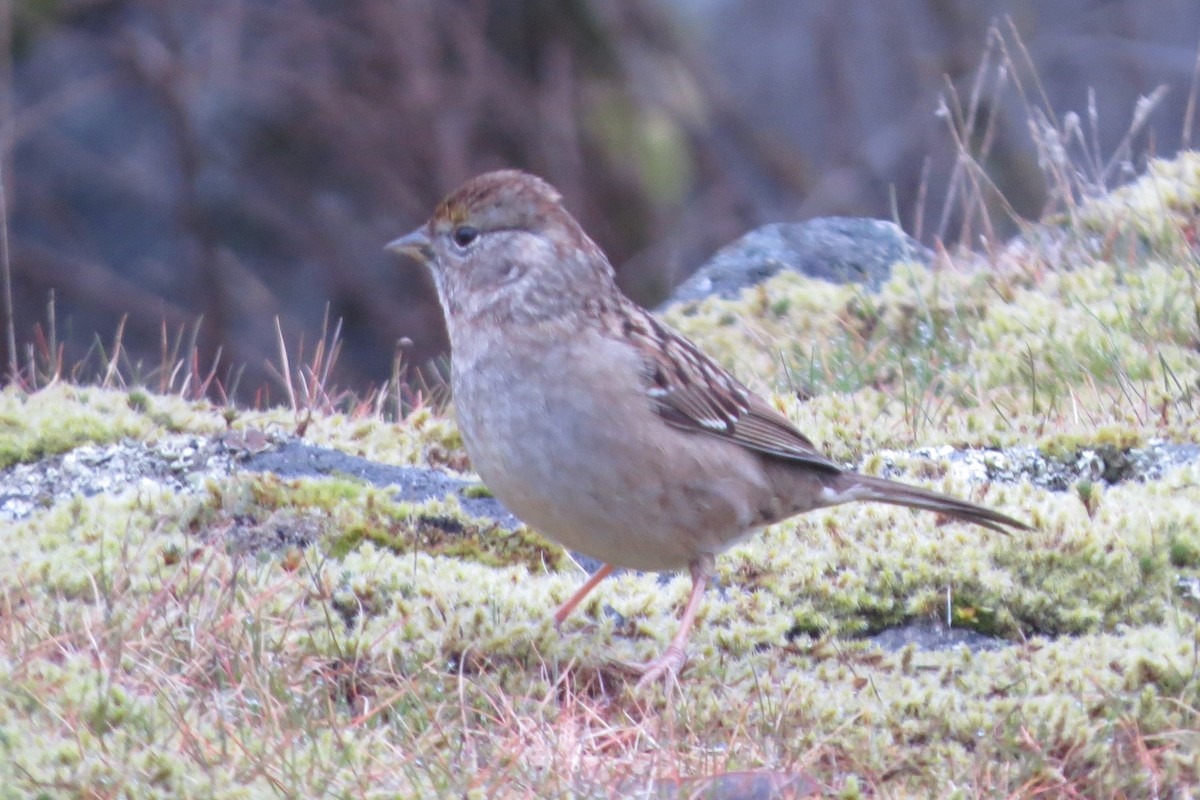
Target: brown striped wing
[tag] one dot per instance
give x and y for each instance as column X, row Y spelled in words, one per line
column 694, row 393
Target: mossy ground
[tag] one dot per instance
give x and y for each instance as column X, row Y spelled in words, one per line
column 373, row 655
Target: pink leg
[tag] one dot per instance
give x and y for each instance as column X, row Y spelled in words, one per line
column 675, row 656
column 577, row 598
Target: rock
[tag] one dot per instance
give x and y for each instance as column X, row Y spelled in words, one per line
column 297, row 459
column 930, row 636
column 835, row 249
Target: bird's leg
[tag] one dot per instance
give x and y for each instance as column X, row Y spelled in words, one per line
column 577, row 598
column 675, row 656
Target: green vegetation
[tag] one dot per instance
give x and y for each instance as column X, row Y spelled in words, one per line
column 270, row 637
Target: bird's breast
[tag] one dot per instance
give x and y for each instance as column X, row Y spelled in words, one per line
column 569, row 443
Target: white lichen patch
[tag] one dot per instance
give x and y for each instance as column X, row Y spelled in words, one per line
column 1059, row 471
column 177, row 462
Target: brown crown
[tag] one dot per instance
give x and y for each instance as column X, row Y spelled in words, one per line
column 512, row 190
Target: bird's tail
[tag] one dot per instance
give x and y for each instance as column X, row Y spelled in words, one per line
column 865, row 487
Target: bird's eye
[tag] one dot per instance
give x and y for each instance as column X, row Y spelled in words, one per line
column 464, row 235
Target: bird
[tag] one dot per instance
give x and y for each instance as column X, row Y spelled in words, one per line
column 599, row 425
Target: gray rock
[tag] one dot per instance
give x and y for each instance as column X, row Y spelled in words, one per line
column 297, row 459
column 931, row 636
column 835, row 249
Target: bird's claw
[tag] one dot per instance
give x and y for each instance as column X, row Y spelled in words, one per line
column 664, row 668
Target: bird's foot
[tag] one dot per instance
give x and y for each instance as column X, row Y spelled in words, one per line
column 664, row 668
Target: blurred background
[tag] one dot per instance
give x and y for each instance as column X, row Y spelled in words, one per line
column 241, row 161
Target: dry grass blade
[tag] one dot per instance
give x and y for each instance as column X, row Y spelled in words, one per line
column 1189, row 115
column 111, row 373
column 309, row 387
column 283, row 373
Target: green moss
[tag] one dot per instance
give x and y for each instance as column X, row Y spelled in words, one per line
column 1155, row 210
column 60, row 417
column 55, row 420
column 980, row 358
column 981, row 619
column 1183, row 549
column 477, row 491
column 404, row 623
column 1108, row 444
column 138, row 401
column 339, row 515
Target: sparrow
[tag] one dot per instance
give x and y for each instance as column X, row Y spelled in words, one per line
column 599, row 425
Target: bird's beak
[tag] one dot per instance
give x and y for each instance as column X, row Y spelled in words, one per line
column 415, row 244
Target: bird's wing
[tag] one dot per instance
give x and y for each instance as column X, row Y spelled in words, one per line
column 694, row 393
